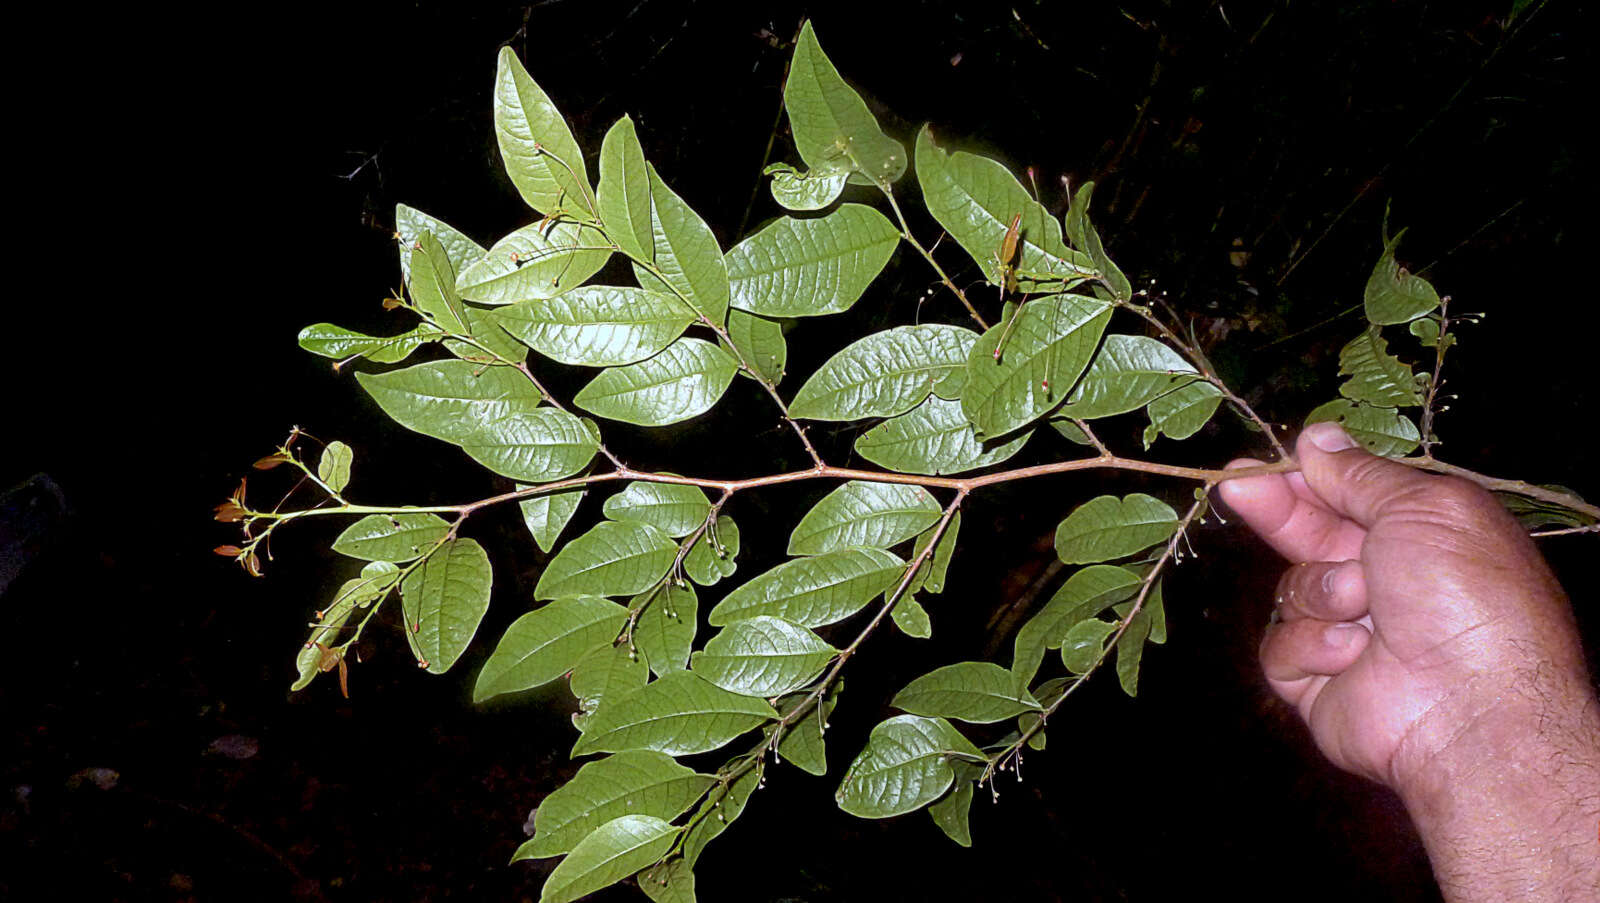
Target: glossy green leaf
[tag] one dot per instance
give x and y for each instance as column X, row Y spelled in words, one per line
column 612, row 559
column 375, row 580
column 798, row 190
column 1130, row 651
column 979, row 692
column 540, row 155
column 714, row 555
column 950, row 812
column 673, row 508
column 1382, row 431
column 607, row 855
column 444, row 601
column 722, row 805
column 540, row 260
column 762, row 656
column 679, row 714
column 333, row 467
column 1084, row 643
column 547, row 515
column 1129, row 372
column 598, row 325
column 810, row 267
column 1393, row 295
column 635, row 782
column 683, row 381
column 884, row 374
column 759, row 342
column 1182, row 412
column 391, row 537
column 905, row 766
column 1085, row 594
column 832, row 127
column 625, row 192
column 1049, row 348
column 410, row 223
column 686, row 254
column 494, row 344
column 813, row 592
column 1070, row 431
column 665, row 630
column 603, row 675
column 934, row 438
column 1108, row 527
column 491, row 412
column 859, row 514
column 433, row 285
column 939, row 565
column 974, row 199
column 1157, row 609
column 912, row 619
column 336, row 342
column 803, row 744
column 547, row 642
column 669, row 882
column 1376, row 377
column 1083, row 234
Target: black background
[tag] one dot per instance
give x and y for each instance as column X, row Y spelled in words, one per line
column 210, row 186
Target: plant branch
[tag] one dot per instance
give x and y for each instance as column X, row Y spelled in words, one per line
column 905, row 232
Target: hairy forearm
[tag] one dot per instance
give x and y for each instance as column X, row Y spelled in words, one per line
column 1509, row 806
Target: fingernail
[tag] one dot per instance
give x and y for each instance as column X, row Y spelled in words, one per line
column 1330, row 437
column 1330, row 577
column 1340, row 636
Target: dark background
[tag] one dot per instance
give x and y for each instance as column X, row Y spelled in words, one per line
column 208, row 193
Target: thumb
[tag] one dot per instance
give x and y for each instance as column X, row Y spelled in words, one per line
column 1353, row 482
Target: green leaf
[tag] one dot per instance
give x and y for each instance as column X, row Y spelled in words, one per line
column 1382, row 431
column 433, row 285
column 1083, row 235
column 1157, row 609
column 675, row 509
column 669, row 882
column 1048, row 349
column 912, row 619
column 1070, row 431
column 336, row 342
column 540, row 260
column 951, row 811
column 635, row 782
column 1129, row 372
column 625, row 192
column 491, row 412
column 1084, row 642
column 391, row 537
column 762, row 656
column 932, row 573
column 813, row 592
column 541, row 157
column 679, row 714
column 410, row 223
column 497, row 344
column 444, row 601
column 1130, row 650
column 665, row 629
column 547, row 515
column 610, row 853
column 805, row 190
column 605, row 674
column 934, row 438
column 1182, row 412
column 375, row 580
column 686, row 254
column 979, row 692
column 1534, row 513
column 1086, row 593
column 683, row 381
column 706, row 565
column 1393, row 295
column 859, row 514
column 333, row 468
column 905, row 766
column 759, row 342
column 810, row 267
column 1376, row 376
column 546, row 643
column 884, row 374
column 612, row 559
column 832, row 127
column 1107, row 527
column 598, row 325
column 802, row 745
column 721, row 806
column 974, row 199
